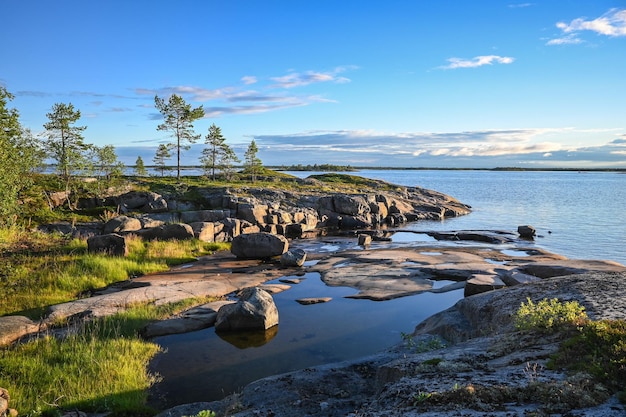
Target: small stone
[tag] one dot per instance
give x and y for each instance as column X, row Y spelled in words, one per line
column 313, row 300
column 526, row 231
column 365, row 240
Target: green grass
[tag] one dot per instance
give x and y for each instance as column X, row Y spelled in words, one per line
column 38, row 270
column 101, row 367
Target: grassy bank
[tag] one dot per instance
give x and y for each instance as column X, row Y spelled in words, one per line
column 101, row 366
column 38, row 270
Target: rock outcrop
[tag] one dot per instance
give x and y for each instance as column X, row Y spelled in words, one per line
column 293, row 214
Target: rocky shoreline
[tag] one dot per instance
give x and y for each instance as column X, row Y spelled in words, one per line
column 469, row 347
column 469, row 359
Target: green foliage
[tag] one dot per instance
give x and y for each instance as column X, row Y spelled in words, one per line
column 599, row 349
column 140, row 168
column 38, row 270
column 101, row 367
column 423, row 345
column 162, row 155
column 65, row 140
column 218, row 155
column 178, row 118
column 546, row 315
column 203, row 413
column 20, row 156
column 253, row 164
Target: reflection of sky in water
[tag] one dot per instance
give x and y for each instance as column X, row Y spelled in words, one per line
column 201, row 366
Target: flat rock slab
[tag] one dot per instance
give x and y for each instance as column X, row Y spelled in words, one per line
column 197, row 318
column 383, row 274
column 12, row 328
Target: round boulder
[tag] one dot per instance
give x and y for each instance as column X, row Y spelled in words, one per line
column 255, row 310
column 259, row 245
column 293, row 257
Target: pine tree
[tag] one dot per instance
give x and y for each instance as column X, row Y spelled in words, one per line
column 218, row 155
column 253, row 163
column 162, row 154
column 178, row 118
column 140, row 168
column 65, row 141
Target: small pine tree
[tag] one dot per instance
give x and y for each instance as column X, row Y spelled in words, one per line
column 162, row 154
column 140, row 168
column 253, row 163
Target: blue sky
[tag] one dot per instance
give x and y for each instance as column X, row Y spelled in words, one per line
column 366, row 83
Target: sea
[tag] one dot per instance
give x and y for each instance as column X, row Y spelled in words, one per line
column 578, row 214
column 581, row 215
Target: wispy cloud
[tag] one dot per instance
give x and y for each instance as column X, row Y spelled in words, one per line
column 569, row 39
column 612, row 24
column 512, row 147
column 270, row 94
column 249, row 79
column 520, row 5
column 299, row 79
column 478, row 61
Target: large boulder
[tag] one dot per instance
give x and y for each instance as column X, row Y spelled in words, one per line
column 110, row 244
column 254, row 213
column 259, row 245
column 255, row 310
column 350, row 205
column 177, row 231
column 122, row 224
column 144, row 201
column 204, row 231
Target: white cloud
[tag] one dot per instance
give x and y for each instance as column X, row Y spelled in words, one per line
column 520, row 5
column 249, row 79
column 612, row 23
column 477, row 61
column 570, row 39
column 299, row 79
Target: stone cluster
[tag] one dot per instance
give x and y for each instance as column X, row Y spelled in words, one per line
column 219, row 215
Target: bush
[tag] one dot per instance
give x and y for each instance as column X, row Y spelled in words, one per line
column 548, row 314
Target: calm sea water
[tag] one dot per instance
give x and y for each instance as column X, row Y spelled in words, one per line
column 579, row 215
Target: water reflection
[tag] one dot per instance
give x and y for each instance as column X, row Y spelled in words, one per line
column 205, row 366
column 248, row 339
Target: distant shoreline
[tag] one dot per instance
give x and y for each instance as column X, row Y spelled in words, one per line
column 49, row 168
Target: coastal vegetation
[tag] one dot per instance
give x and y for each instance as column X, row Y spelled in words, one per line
column 596, row 348
column 84, row 368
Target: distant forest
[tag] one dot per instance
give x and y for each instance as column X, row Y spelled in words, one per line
column 316, row 167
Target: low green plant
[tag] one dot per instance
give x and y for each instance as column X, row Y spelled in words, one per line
column 595, row 348
column 547, row 314
column 420, row 397
column 203, row 413
column 423, row 345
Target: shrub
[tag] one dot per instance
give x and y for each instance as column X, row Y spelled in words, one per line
column 548, row 314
